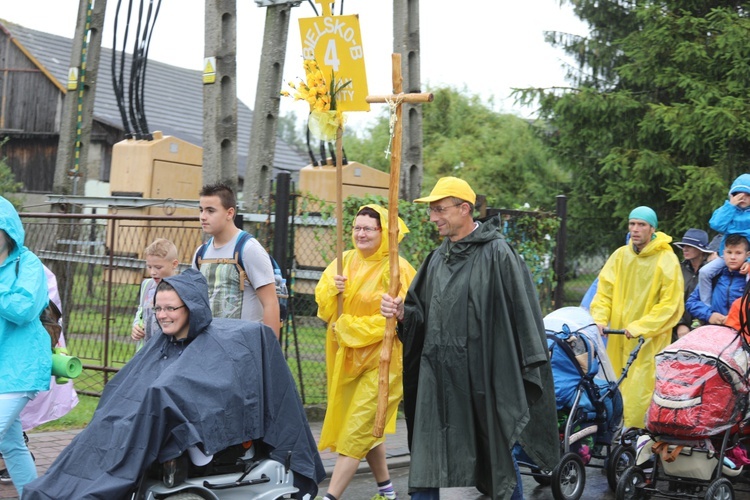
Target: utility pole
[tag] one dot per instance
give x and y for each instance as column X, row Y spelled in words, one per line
column 406, row 43
column 71, row 167
column 220, row 93
column 259, row 171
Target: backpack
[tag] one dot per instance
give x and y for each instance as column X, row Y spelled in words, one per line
column 50, row 318
column 239, row 246
column 701, row 384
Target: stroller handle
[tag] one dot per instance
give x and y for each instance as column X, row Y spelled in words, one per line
column 607, row 331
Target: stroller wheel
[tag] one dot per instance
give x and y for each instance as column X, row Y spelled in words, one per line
column 721, row 489
column 620, row 458
column 628, row 487
column 569, row 478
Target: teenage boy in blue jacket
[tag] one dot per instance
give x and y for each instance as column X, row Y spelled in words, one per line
column 728, row 285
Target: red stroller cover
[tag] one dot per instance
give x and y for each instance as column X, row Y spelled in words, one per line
column 701, row 384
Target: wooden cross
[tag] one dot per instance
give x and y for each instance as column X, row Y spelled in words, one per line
column 394, row 100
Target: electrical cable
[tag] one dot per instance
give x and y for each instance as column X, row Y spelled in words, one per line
column 313, row 161
column 134, row 69
column 332, row 149
column 117, row 84
column 313, row 7
column 323, row 157
column 151, row 23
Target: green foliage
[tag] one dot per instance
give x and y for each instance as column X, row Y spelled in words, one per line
column 421, row 240
column 78, row 418
column 659, row 115
column 531, row 233
column 502, row 156
column 8, row 184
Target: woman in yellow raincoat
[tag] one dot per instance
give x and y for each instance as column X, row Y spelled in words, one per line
column 353, row 343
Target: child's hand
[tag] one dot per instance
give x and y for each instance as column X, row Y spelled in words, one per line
column 737, row 198
column 745, row 268
column 717, row 319
column 137, row 333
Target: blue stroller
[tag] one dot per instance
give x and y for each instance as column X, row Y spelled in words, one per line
column 589, row 406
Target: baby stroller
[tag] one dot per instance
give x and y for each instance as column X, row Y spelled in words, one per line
column 589, row 406
column 696, row 425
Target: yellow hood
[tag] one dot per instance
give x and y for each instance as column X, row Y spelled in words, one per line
column 383, row 249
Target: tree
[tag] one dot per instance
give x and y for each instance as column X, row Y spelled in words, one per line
column 500, row 155
column 658, row 114
column 8, row 184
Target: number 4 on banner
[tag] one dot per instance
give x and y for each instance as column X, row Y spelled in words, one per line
column 331, row 58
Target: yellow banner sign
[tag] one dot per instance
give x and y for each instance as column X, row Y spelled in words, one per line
column 334, row 42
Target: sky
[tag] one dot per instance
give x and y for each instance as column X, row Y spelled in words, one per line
column 486, row 47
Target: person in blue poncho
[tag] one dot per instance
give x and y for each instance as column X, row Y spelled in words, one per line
column 25, row 350
column 200, row 383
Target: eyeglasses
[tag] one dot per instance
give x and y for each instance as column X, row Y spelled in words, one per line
column 367, row 230
column 440, row 210
column 168, row 309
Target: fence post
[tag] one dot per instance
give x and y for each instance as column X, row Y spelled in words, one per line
column 281, row 228
column 562, row 240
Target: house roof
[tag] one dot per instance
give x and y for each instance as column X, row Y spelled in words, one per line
column 173, row 96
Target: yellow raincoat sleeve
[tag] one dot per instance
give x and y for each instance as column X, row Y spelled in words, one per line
column 670, row 305
column 360, row 324
column 601, row 304
column 326, row 292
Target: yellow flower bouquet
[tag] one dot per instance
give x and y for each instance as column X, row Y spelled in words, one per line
column 325, row 119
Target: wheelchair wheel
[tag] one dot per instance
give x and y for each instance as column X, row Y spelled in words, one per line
column 721, row 489
column 627, row 486
column 620, row 458
column 569, row 478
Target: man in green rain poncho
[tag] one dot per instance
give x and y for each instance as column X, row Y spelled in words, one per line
column 477, row 378
column 641, row 291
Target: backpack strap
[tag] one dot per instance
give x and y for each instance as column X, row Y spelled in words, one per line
column 240, row 246
column 201, row 252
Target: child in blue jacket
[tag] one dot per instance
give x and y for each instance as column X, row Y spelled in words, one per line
column 733, row 217
column 729, row 285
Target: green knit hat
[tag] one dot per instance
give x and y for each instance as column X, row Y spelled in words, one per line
column 645, row 214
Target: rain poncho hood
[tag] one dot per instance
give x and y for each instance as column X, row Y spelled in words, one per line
column 25, row 352
column 353, row 344
column 740, row 185
column 382, row 251
column 477, row 377
column 732, row 219
column 226, row 383
column 642, row 293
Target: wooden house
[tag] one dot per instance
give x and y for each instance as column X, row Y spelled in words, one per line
column 33, row 76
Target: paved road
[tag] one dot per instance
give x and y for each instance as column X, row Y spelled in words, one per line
column 363, row 488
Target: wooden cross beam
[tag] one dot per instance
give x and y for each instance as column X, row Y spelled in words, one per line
column 395, row 100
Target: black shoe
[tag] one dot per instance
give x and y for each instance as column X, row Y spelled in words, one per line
column 4, row 476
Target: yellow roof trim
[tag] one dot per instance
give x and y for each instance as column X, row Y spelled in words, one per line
column 38, row 64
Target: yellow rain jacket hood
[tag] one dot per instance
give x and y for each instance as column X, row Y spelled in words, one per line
column 642, row 293
column 353, row 343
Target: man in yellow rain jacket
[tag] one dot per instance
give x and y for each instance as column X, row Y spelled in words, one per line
column 641, row 291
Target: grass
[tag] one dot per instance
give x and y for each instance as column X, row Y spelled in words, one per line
column 78, row 418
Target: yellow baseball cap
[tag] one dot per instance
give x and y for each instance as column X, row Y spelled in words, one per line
column 447, row 187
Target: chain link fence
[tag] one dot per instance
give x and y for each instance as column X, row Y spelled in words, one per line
column 99, row 264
